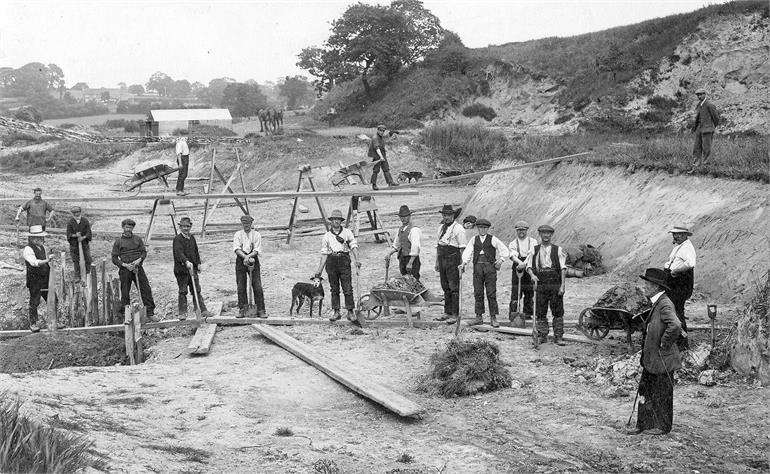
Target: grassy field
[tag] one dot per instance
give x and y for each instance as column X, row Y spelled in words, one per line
column 93, row 119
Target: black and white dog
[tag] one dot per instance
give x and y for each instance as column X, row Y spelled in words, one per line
column 312, row 292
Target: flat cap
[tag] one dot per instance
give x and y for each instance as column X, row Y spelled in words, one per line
column 546, row 228
column 247, row 219
column 700, row 90
column 470, row 218
column 483, row 223
column 521, row 225
column 185, row 221
column 128, row 222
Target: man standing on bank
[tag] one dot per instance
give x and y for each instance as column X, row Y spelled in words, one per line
column 379, row 161
column 680, row 273
column 247, row 245
column 449, row 248
column 187, row 265
column 79, row 231
column 39, row 211
column 547, row 267
column 519, row 248
column 38, row 270
column 706, row 121
column 128, row 254
column 407, row 245
column 182, row 162
column 336, row 246
column 488, row 254
column 660, row 358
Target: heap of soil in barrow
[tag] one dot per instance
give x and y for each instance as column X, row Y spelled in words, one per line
column 626, row 296
column 52, row 351
column 465, row 368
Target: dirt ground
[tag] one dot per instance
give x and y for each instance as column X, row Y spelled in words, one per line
column 220, row 413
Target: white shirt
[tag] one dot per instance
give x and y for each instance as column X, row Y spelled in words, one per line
column 654, row 298
column 500, row 249
column 414, row 240
column 330, row 245
column 521, row 247
column 247, row 242
column 544, row 257
column 682, row 258
column 29, row 256
column 454, row 236
column 181, row 147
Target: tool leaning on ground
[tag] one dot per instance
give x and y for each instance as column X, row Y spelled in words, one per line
column 82, row 259
column 142, row 308
column 459, row 303
column 196, row 301
column 535, row 337
column 517, row 318
column 357, row 311
column 249, row 292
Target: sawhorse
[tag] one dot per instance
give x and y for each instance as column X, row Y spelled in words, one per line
column 214, row 171
column 161, row 207
column 305, row 172
column 358, row 205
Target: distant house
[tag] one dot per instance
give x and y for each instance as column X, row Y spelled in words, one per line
column 164, row 122
column 102, row 94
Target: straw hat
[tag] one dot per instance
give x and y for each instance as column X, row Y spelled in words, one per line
column 36, row 231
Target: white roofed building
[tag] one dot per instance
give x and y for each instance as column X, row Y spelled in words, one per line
column 168, row 120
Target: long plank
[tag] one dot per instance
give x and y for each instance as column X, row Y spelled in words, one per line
column 201, row 342
column 359, row 383
column 90, row 329
column 528, row 332
column 225, row 321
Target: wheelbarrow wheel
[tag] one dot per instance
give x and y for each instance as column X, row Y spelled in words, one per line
column 130, row 186
column 372, row 312
column 592, row 325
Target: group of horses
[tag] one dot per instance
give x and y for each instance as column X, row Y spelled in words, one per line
column 270, row 119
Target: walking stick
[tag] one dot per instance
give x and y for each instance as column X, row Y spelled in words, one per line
column 633, row 407
column 535, row 337
column 196, row 300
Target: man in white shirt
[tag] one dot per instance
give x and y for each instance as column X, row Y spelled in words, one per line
column 519, row 248
column 449, row 247
column 36, row 261
column 182, row 162
column 488, row 254
column 680, row 271
column 547, row 267
column 336, row 246
column 407, row 245
column 247, row 245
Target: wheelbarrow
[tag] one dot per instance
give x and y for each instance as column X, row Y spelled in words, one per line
column 596, row 322
column 146, row 172
column 340, row 177
column 378, row 300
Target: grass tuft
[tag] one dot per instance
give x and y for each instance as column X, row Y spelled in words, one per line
column 283, row 431
column 465, row 368
column 467, row 145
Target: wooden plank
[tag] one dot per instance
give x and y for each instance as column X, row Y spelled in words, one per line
column 232, row 321
column 358, row 382
column 51, row 300
column 528, row 333
column 128, row 334
column 201, row 342
column 91, row 329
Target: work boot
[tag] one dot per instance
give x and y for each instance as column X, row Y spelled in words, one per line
column 477, row 322
column 559, row 341
column 262, row 314
column 181, row 193
column 336, row 316
column 373, row 180
column 451, row 318
column 493, row 321
column 443, row 317
column 241, row 313
column 351, row 315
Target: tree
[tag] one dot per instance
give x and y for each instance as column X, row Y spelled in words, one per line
column 105, row 96
column 215, row 90
column 160, row 83
column 243, row 100
column 122, row 86
column 136, row 89
column 297, row 91
column 80, row 86
column 180, row 88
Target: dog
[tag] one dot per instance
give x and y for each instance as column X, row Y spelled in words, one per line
column 313, row 291
column 408, row 176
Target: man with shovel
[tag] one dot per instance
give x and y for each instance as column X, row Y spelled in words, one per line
column 407, row 245
column 336, row 246
column 449, row 249
column 79, row 238
column 547, row 267
column 521, row 283
column 38, row 270
column 247, row 245
column 128, row 254
column 379, row 159
column 187, row 265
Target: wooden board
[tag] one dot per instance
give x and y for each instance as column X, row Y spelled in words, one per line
column 358, row 382
column 225, row 321
column 201, row 342
column 528, row 332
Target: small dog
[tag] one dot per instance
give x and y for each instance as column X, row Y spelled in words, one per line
column 312, row 292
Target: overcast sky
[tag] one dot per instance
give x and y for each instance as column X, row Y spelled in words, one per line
column 103, row 42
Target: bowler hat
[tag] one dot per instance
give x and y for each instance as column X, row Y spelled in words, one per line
column 483, row 223
column 404, row 211
column 655, row 275
column 546, row 228
column 680, row 229
column 336, row 214
column 246, row 219
column 128, row 222
column 185, row 221
column 521, row 225
column 36, row 231
column 470, row 218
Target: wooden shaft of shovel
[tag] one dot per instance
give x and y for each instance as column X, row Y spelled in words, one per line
column 195, row 293
column 250, row 290
column 518, row 298
column 535, row 336
column 82, row 262
column 138, row 289
column 459, row 304
column 18, row 237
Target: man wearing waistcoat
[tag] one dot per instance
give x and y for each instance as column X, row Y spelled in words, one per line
column 449, row 248
column 519, row 248
column 407, row 245
column 547, row 267
column 680, row 273
column 706, row 122
column 38, row 270
column 128, row 254
column 487, row 253
column 337, row 244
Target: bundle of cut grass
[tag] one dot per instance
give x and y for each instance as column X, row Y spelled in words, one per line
column 465, row 368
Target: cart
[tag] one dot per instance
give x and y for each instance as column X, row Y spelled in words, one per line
column 595, row 322
column 340, row 177
column 146, row 172
column 378, row 300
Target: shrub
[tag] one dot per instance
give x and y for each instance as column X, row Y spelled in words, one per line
column 474, row 145
column 656, row 116
column 23, row 138
column 480, row 110
column 28, row 114
column 563, row 118
column 66, row 156
column 205, row 131
column 662, row 103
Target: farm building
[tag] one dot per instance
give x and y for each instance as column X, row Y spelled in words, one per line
column 164, row 122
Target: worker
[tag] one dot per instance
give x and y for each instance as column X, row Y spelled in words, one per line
column 38, row 269
column 39, row 211
column 79, row 232
column 449, row 247
column 247, row 245
column 660, row 358
column 406, row 245
column 547, row 268
column 378, row 156
column 187, row 265
column 182, row 162
column 680, row 271
column 128, row 254
column 519, row 248
column 336, row 246
column 487, row 253
column 705, row 124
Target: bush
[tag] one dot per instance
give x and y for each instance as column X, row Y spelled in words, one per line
column 471, row 146
column 205, row 131
column 28, row 114
column 662, row 103
column 130, row 126
column 66, row 156
column 480, row 110
column 24, row 139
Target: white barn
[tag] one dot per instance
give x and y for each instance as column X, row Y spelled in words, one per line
column 164, row 122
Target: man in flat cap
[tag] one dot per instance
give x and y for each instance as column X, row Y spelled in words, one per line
column 378, row 156
column 39, row 211
column 450, row 244
column 247, row 245
column 79, row 235
column 706, row 121
column 680, row 271
column 336, row 246
column 406, row 245
column 37, row 262
column 521, row 283
column 487, row 253
column 547, row 267
column 187, row 265
column 128, row 254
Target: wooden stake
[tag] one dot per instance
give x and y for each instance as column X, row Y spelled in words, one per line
column 51, row 299
column 104, row 291
column 240, row 174
column 137, row 315
column 128, row 334
column 94, row 295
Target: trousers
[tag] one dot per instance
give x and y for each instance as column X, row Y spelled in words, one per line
column 126, row 278
column 449, row 259
column 338, row 271
column 75, row 254
column 241, row 272
column 527, row 292
column 37, row 289
column 185, row 284
column 548, row 296
column 183, row 172
column 403, row 261
column 485, row 280
column 656, row 402
column 701, row 150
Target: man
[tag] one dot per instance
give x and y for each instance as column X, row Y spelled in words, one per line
column 660, row 358
column 187, row 265
column 449, row 247
column 680, row 272
column 336, row 246
column 247, row 245
column 547, row 268
column 79, row 232
column 128, row 254
column 706, row 121
column 488, row 254
column 407, row 245
column 39, row 211
column 519, row 248
column 331, row 115
column 379, row 161
column 38, row 270
column 182, row 162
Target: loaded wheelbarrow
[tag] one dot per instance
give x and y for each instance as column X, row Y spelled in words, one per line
column 596, row 322
column 379, row 300
column 146, row 172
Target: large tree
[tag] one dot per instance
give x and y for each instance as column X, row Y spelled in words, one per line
column 160, row 83
column 243, row 100
column 297, row 91
column 136, row 89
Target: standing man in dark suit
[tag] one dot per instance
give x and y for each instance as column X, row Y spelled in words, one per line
column 187, row 265
column 379, row 159
column 128, row 254
column 38, row 269
column 79, row 231
column 706, row 122
column 660, row 358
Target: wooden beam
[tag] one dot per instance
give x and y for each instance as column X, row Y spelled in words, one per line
column 90, row 329
column 528, row 333
column 357, row 382
column 225, row 321
column 201, row 342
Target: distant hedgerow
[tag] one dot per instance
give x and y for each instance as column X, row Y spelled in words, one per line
column 480, row 110
column 474, row 145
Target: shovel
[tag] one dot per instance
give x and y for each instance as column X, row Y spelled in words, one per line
column 459, row 304
column 250, row 293
column 517, row 319
column 535, row 337
column 195, row 295
column 83, row 276
column 142, row 308
column 357, row 310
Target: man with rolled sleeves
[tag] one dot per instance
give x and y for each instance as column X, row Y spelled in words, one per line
column 187, row 263
column 449, row 248
column 128, row 254
column 39, row 211
column 680, row 276
column 705, row 124
column 547, row 267
column 487, row 253
column 247, row 245
column 379, row 159
column 79, row 231
column 407, row 245
column 38, row 269
column 336, row 246
column 519, row 248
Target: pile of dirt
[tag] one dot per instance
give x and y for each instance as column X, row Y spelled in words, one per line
column 619, row 376
column 466, row 368
column 627, row 296
column 586, row 259
column 402, row 283
column 52, row 351
column 750, row 351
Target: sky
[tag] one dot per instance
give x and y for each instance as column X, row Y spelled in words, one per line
column 104, row 42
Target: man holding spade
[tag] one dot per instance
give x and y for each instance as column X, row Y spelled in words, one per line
column 79, row 238
column 187, row 265
column 247, row 245
column 547, row 267
column 128, row 253
column 336, row 246
column 449, row 248
column 521, row 283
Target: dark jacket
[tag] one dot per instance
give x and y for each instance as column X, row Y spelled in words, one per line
column 660, row 353
column 73, row 228
column 706, row 118
column 128, row 249
column 185, row 250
